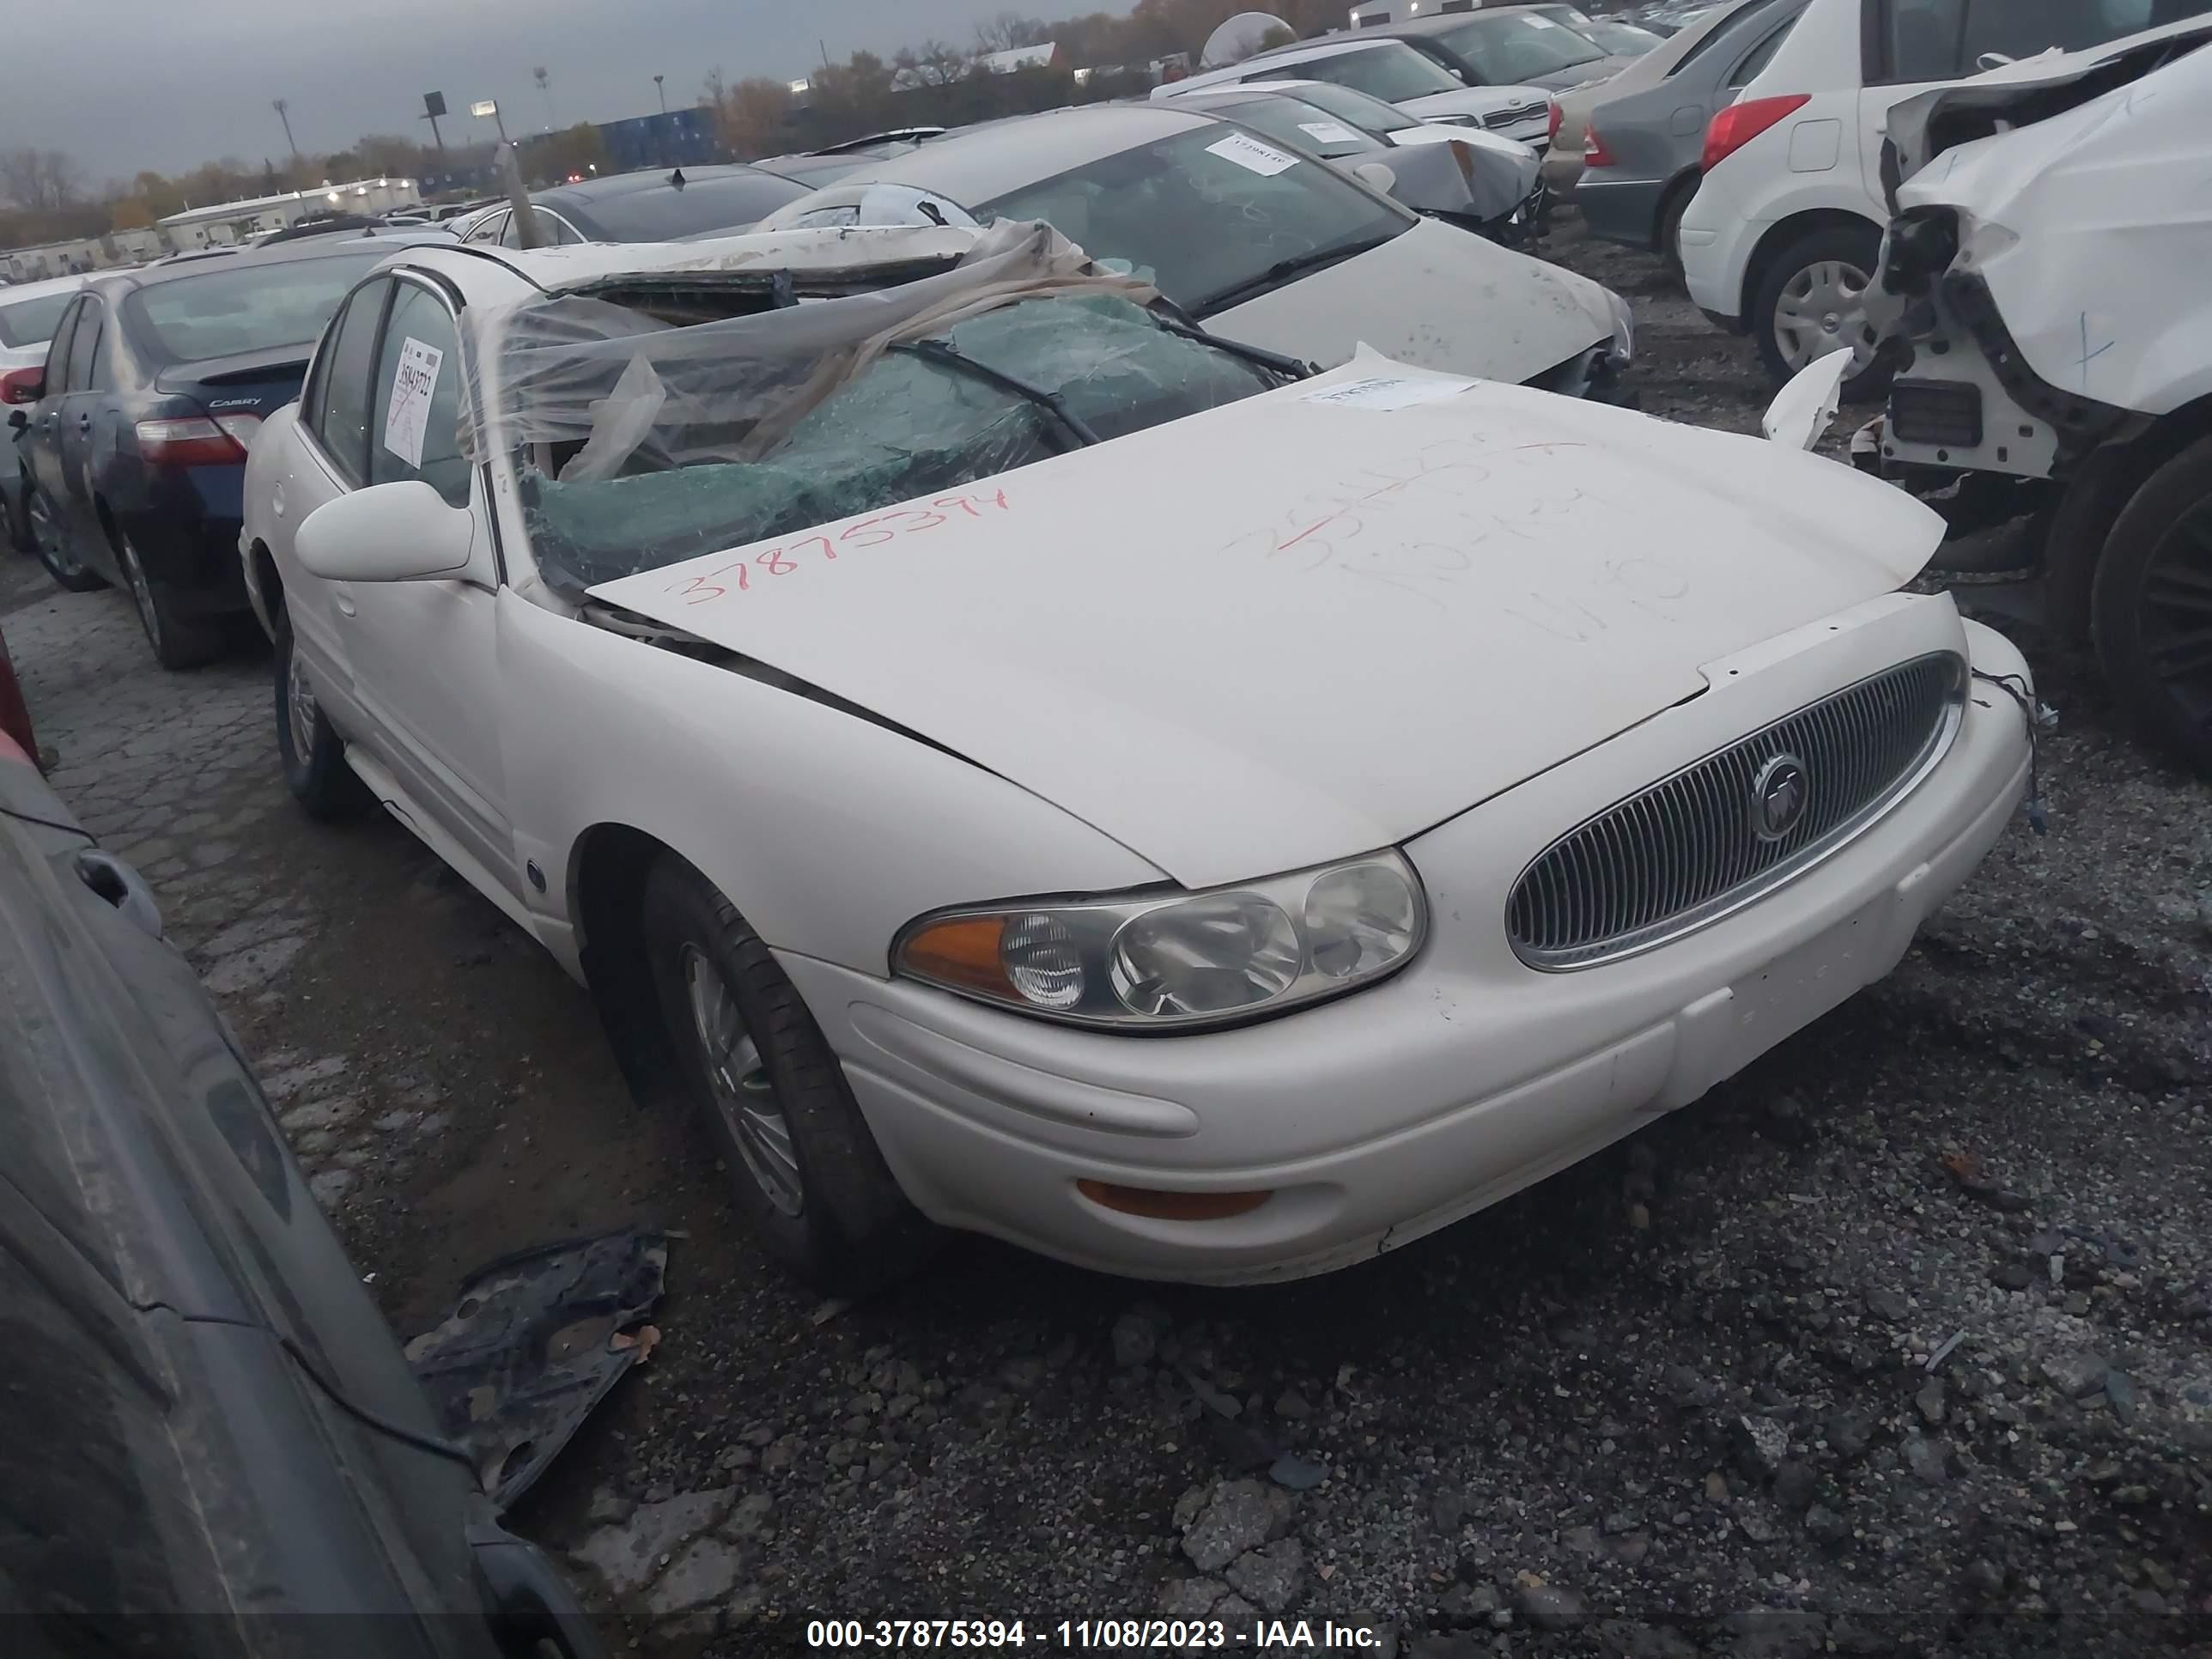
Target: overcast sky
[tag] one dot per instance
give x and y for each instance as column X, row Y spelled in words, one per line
column 125, row 84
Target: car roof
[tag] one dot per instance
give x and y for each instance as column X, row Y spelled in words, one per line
column 973, row 166
column 42, row 287
column 283, row 253
column 583, row 194
column 484, row 272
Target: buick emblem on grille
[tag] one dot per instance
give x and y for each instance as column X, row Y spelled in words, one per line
column 1778, row 794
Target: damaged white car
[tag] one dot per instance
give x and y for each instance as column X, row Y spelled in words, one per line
column 2043, row 291
column 1011, row 763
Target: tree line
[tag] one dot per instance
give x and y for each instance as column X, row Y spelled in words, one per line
column 936, row 83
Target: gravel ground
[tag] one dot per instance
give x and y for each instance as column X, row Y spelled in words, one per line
column 1897, row 1343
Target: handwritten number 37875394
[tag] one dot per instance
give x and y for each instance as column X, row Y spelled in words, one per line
column 740, row 574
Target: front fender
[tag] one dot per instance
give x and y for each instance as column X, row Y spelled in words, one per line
column 829, row 831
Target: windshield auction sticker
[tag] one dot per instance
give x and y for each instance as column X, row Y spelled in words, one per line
column 412, row 383
column 1252, row 155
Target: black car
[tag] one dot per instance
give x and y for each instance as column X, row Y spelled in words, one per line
column 206, row 1429
column 675, row 206
column 133, row 450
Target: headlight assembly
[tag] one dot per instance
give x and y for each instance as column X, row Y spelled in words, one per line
column 1173, row 961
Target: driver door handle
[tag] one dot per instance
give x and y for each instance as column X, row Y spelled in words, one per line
column 84, row 422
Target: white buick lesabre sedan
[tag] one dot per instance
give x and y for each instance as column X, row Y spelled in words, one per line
column 1011, row 763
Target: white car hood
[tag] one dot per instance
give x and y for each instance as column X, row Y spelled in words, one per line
column 1438, row 297
column 1317, row 621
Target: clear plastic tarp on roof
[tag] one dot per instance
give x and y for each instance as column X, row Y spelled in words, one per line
column 641, row 441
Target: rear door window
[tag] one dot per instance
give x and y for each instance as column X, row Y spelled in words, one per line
column 1923, row 39
column 416, row 425
column 84, row 350
column 341, row 419
column 1758, row 57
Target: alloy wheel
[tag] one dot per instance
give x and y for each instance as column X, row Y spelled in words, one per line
column 46, row 536
column 2175, row 607
column 1821, row 307
column 738, row 1078
column 299, row 706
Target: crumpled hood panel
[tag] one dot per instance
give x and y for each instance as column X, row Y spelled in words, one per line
column 1312, row 624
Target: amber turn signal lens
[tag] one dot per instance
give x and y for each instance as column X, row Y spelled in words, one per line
column 961, row 950
column 1171, row 1207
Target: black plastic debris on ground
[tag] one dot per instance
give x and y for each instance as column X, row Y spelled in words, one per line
column 533, row 1343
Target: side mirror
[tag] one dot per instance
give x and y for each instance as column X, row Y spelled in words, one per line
column 1375, row 176
column 23, row 386
column 391, row 533
column 17, row 420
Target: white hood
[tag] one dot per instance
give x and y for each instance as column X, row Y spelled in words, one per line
column 1317, row 621
column 1438, row 297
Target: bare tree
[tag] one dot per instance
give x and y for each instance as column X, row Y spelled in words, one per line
column 40, row 180
column 1010, row 29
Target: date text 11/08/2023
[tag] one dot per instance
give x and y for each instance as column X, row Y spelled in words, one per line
column 1089, row 1635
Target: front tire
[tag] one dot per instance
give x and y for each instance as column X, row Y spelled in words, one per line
column 313, row 758
column 802, row 1164
column 176, row 643
column 2150, row 605
column 1812, row 299
column 51, row 542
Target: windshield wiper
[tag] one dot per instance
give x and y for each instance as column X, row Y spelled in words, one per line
column 1174, row 318
column 1283, row 269
column 950, row 357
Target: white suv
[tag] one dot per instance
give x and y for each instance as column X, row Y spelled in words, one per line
column 1784, row 232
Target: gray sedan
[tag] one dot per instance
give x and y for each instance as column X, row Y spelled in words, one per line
column 1645, row 135
column 1474, row 179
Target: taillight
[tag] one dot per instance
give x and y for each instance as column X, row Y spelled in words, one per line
column 195, row 440
column 1739, row 123
column 1594, row 154
column 1551, row 120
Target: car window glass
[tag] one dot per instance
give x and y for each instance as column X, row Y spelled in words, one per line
column 489, row 230
column 84, row 367
column 1923, row 39
column 1203, row 213
column 1391, row 73
column 1298, row 124
column 342, row 422
column 250, row 303
column 1358, row 109
column 2021, row 28
column 414, row 428
column 1758, row 57
column 1713, row 31
column 58, row 353
column 28, row 322
column 1515, row 47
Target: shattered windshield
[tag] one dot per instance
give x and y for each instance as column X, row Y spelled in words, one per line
column 663, row 443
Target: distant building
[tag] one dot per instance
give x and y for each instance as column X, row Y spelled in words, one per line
column 119, row 247
column 225, row 222
column 679, row 138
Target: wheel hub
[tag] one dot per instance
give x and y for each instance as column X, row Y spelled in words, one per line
column 300, row 704
column 737, row 1076
column 1821, row 307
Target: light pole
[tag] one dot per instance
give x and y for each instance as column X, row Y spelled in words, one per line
column 283, row 108
column 545, row 85
column 662, row 90
column 484, row 106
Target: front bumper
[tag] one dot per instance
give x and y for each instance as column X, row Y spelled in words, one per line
column 1396, row 1111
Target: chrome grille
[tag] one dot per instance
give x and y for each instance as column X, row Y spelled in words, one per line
column 1513, row 118
column 1688, row 850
